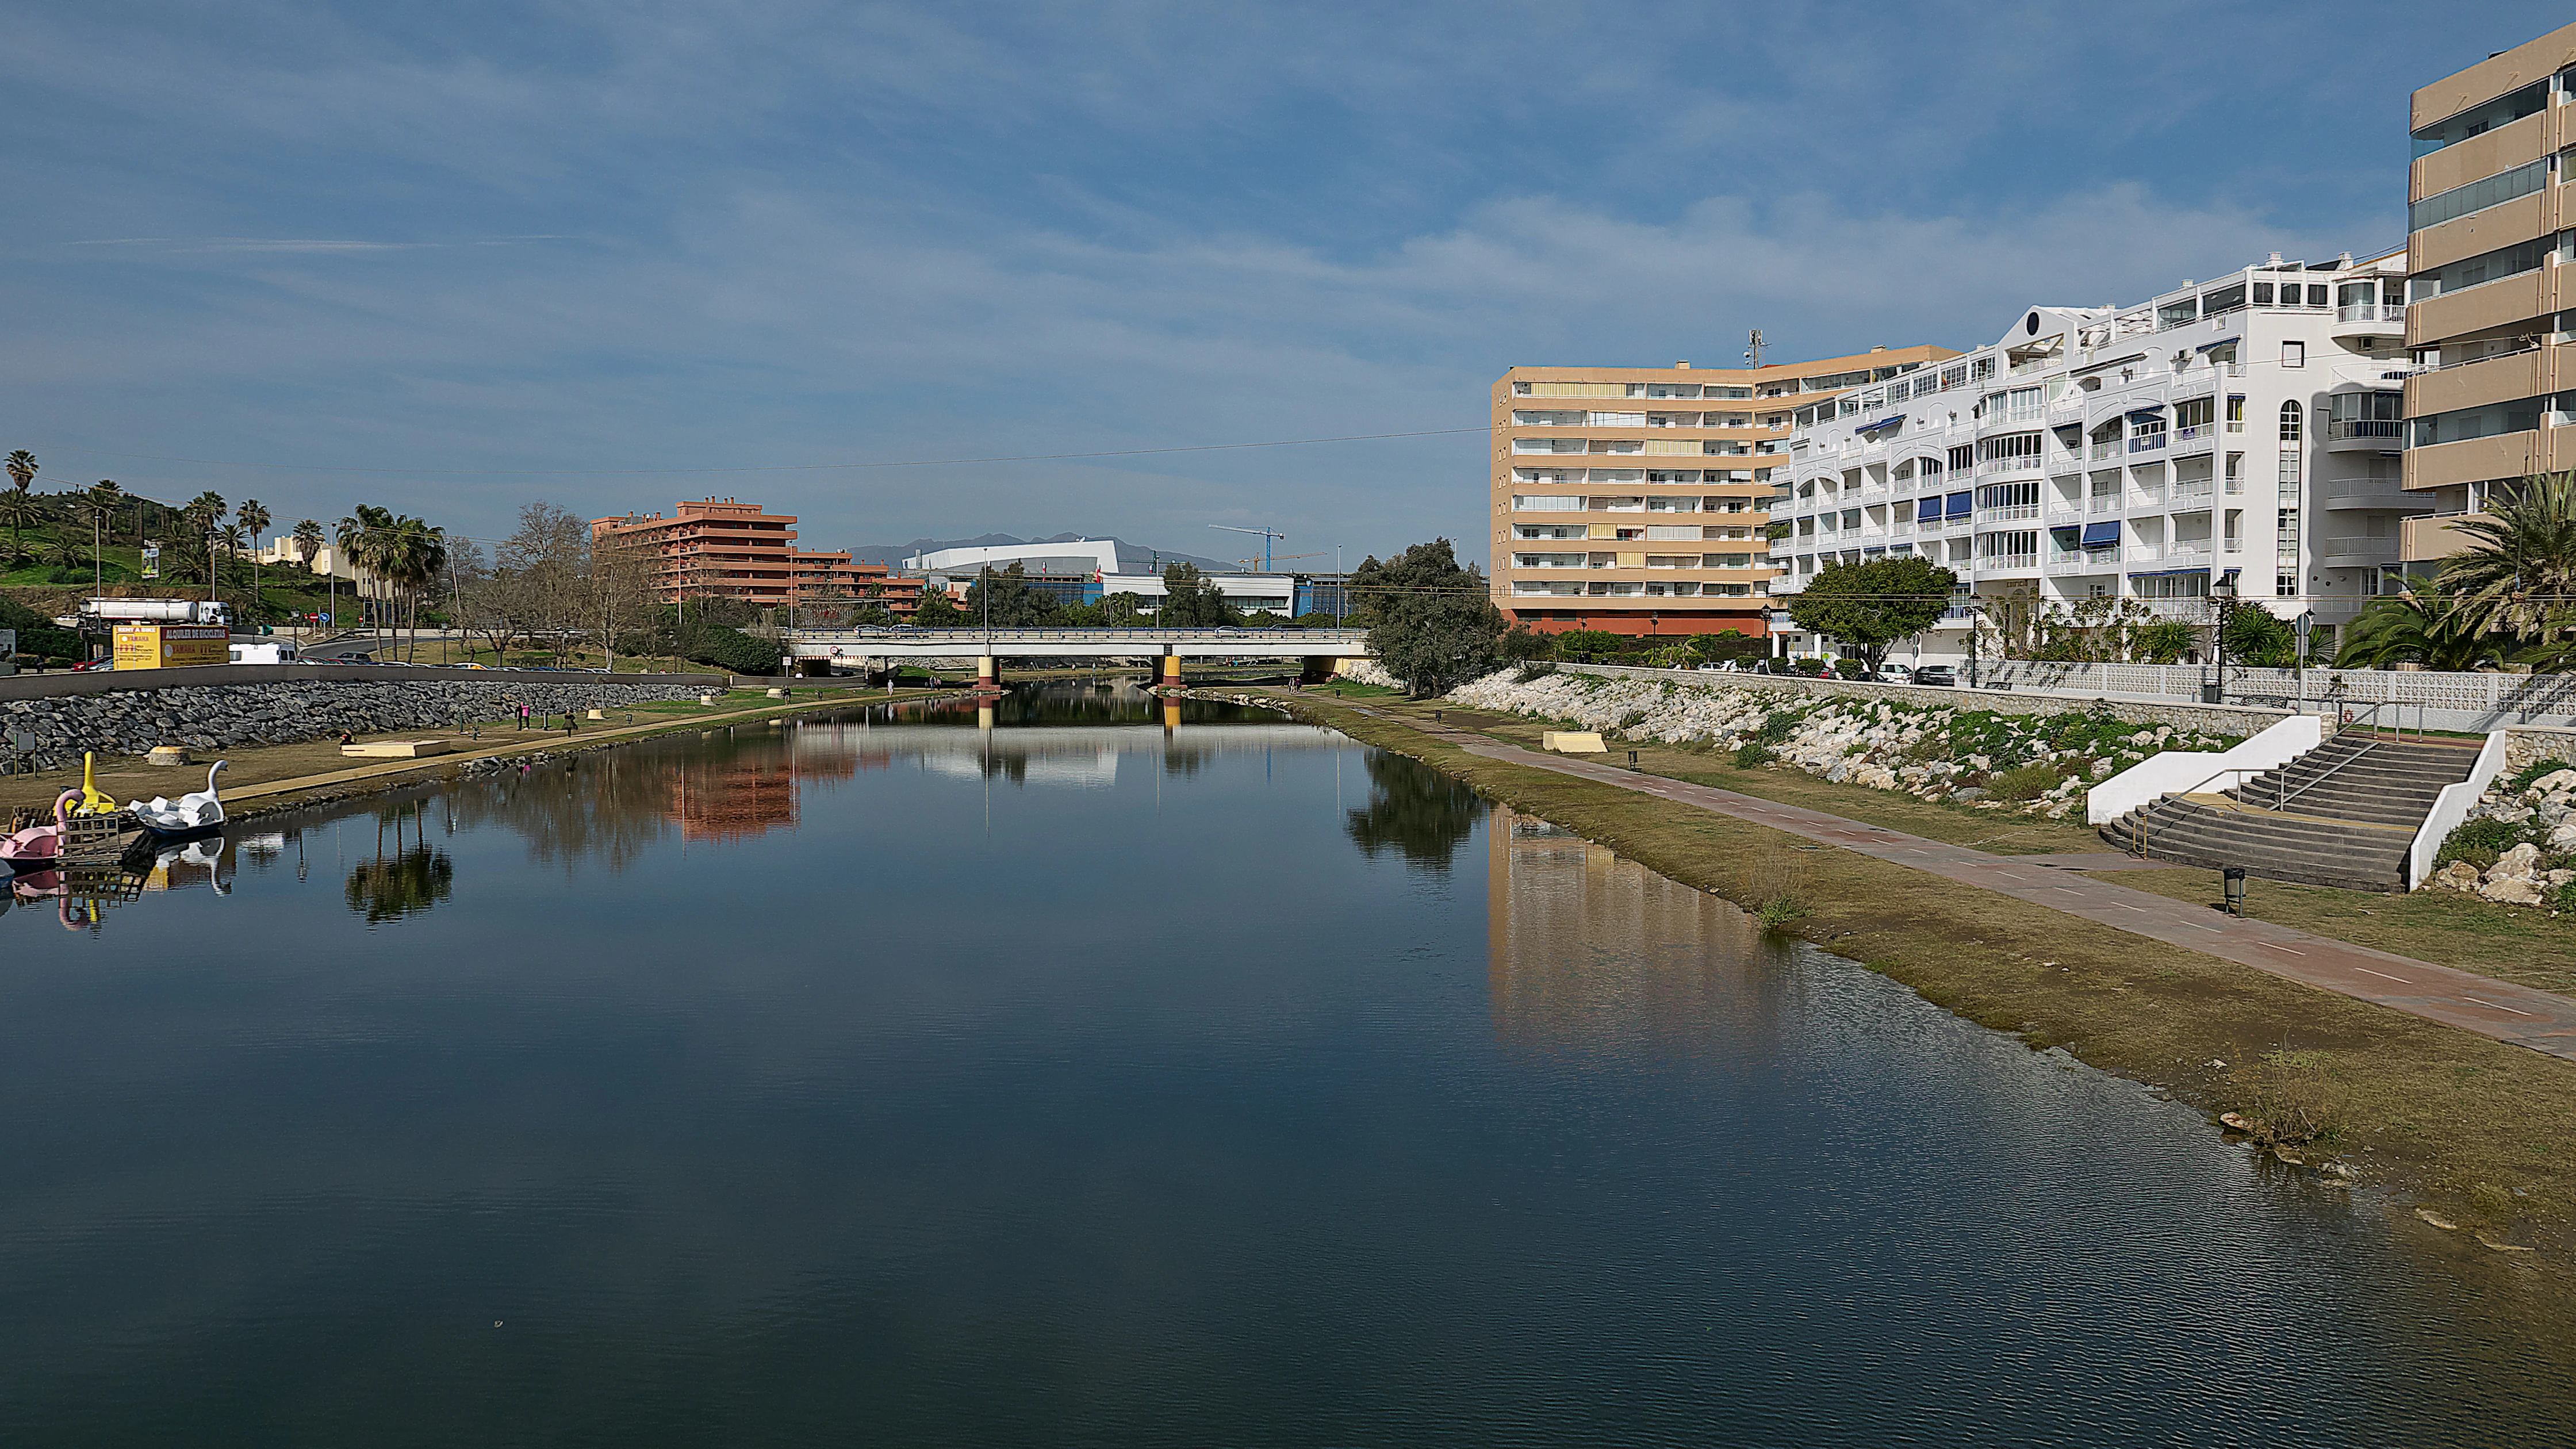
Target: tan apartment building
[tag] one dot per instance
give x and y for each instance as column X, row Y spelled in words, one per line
column 2489, row 210
column 1635, row 499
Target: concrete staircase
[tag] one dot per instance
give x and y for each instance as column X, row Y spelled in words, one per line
column 2353, row 807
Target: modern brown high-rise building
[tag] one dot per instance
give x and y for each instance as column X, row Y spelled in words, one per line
column 1634, row 499
column 2487, row 316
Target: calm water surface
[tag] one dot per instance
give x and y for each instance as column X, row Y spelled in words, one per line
column 1086, row 1080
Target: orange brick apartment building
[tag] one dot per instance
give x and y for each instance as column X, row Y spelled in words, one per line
column 724, row 548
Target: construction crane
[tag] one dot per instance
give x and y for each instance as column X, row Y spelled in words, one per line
column 1267, row 536
column 1266, row 560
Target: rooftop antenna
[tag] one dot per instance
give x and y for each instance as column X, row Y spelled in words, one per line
column 1753, row 354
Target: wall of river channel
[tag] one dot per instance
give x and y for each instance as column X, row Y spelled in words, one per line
column 218, row 716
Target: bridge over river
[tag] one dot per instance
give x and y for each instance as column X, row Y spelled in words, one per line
column 1319, row 651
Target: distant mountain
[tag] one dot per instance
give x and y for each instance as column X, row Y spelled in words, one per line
column 1132, row 558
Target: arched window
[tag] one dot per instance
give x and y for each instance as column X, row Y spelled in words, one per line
column 2289, row 422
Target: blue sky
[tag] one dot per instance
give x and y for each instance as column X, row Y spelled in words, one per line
column 377, row 241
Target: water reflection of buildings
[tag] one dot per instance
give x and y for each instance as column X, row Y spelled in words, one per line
column 1589, row 951
column 740, row 796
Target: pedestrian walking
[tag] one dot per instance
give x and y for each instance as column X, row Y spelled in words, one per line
column 567, row 721
column 523, row 714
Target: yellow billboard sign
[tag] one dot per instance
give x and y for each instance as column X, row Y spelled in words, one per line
column 171, row 646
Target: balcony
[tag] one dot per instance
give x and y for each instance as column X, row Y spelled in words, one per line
column 2105, row 503
column 2147, row 443
column 2370, row 319
column 2191, row 493
column 2198, row 438
column 2364, row 435
column 2105, row 452
column 2009, row 513
column 2024, row 463
column 2472, row 460
column 2074, row 563
column 2497, row 377
column 1997, row 563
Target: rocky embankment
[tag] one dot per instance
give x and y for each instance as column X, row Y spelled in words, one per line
column 2027, row 763
column 215, row 717
column 2518, row 846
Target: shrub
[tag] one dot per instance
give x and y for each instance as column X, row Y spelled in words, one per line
column 1751, row 756
column 1535, row 669
column 1777, row 726
column 734, row 650
column 1850, row 669
column 2480, row 842
column 2534, row 771
column 2027, row 782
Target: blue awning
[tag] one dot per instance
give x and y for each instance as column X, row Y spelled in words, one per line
column 2101, row 535
column 2153, row 412
column 2221, row 342
column 1961, row 505
column 2165, row 573
column 1875, row 424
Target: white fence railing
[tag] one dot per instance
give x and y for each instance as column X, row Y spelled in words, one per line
column 2449, row 809
column 2476, row 702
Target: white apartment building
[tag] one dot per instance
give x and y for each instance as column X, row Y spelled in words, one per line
column 2246, row 429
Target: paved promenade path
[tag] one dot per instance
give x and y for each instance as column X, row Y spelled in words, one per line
column 2541, row 1020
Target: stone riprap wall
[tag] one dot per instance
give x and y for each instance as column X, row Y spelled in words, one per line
column 2027, row 762
column 2243, row 720
column 214, row 717
column 2518, row 846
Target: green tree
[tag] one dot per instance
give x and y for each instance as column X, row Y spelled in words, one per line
column 2256, row 636
column 1866, row 607
column 1432, row 622
column 309, row 539
column 22, row 467
column 937, row 610
column 1192, row 601
column 1586, row 645
column 1006, row 600
column 2519, row 573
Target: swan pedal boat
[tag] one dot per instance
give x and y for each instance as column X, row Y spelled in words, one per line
column 190, row 814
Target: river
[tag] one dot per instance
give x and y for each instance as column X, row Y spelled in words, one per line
column 1114, row 1075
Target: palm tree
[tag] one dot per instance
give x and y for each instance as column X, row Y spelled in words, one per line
column 105, row 495
column 2520, row 571
column 254, row 521
column 20, row 510
column 22, row 469
column 363, row 536
column 204, row 515
column 309, row 539
column 2436, row 631
column 414, row 555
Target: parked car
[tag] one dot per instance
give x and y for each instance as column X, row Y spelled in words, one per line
column 1892, row 672
column 1939, row 676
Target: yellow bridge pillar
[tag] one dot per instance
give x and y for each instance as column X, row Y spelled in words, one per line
column 1172, row 669
column 985, row 672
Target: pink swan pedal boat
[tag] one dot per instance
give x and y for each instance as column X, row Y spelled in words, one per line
column 39, row 845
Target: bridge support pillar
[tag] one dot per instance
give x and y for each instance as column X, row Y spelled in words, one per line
column 1315, row 668
column 986, row 672
column 1172, row 669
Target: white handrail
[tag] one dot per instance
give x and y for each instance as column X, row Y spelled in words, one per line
column 2450, row 808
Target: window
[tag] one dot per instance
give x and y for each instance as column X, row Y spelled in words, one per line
column 2478, row 120
column 1981, row 369
column 2177, row 312
column 2366, row 415
column 1545, row 504
column 2236, row 414
column 2290, row 422
column 2478, row 195
column 2518, row 416
column 2294, row 354
column 1672, row 389
column 2285, row 585
column 2262, row 294
column 2288, row 534
column 2194, row 413
column 2225, row 299
column 2491, row 266
column 2317, row 294
column 1963, row 457
column 1954, row 376
column 1713, row 390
